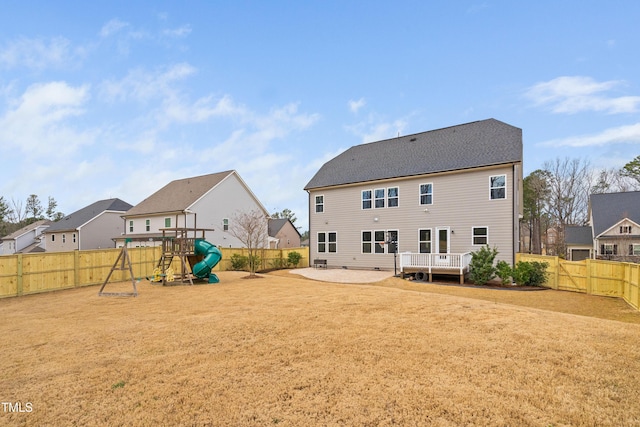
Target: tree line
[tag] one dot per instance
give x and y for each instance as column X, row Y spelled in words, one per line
column 558, row 195
column 15, row 214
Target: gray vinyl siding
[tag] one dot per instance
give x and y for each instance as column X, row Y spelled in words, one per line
column 461, row 201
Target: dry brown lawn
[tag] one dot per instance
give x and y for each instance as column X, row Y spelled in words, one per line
column 283, row 350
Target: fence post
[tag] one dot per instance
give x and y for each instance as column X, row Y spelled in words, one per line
column 19, row 278
column 589, row 286
column 76, row 268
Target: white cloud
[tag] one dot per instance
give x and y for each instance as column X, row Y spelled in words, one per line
column 574, row 94
column 629, row 134
column 38, row 123
column 112, row 27
column 354, row 106
column 37, row 53
column 182, row 31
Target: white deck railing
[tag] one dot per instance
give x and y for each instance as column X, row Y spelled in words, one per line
column 426, row 262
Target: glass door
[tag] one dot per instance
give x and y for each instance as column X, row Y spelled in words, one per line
column 443, row 246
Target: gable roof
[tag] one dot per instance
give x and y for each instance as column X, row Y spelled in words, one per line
column 27, row 228
column 481, row 143
column 275, row 225
column 578, row 235
column 610, row 208
column 179, row 194
column 86, row 214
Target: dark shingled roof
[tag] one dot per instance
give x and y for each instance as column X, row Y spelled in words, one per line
column 178, row 195
column 578, row 235
column 84, row 215
column 482, row 143
column 610, row 208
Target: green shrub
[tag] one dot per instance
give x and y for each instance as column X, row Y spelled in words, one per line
column 482, row 268
column 278, row 263
column 532, row 273
column 239, row 262
column 503, row 271
column 254, row 261
column 294, row 258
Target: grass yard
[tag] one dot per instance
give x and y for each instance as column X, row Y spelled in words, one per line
column 284, row 350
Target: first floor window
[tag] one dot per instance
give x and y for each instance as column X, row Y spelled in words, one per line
column 366, row 242
column 634, row 249
column 366, row 199
column 319, row 204
column 480, row 236
column 328, row 242
column 608, row 249
column 426, row 194
column 379, row 241
column 425, row 241
column 498, row 184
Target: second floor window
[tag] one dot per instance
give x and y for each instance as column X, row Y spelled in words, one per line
column 167, row 223
column 148, row 225
column 319, row 204
column 426, row 194
column 225, row 224
column 130, row 226
column 498, row 184
column 392, row 197
column 366, row 199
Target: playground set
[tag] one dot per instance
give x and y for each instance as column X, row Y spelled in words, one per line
column 197, row 258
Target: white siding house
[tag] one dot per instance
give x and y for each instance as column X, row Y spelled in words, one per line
column 447, row 191
column 204, row 202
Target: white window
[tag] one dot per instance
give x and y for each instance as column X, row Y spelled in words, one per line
column 498, row 184
column 327, row 242
column 424, row 237
column 426, row 194
column 635, row 249
column 366, row 242
column 609, row 249
column 366, row 199
column 379, row 198
column 130, row 226
column 225, row 224
column 393, row 197
column 480, row 235
column 319, row 204
column 148, row 225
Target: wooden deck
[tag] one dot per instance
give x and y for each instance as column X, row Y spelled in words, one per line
column 424, row 266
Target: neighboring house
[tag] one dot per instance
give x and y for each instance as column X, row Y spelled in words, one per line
column 92, row 227
column 445, row 191
column 579, row 242
column 204, row 202
column 615, row 218
column 25, row 240
column 283, row 234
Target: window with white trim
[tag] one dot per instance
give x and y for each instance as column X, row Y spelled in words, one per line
column 498, row 184
column 366, row 199
column 424, row 240
column 319, row 204
column 480, row 235
column 634, row 249
column 130, row 226
column 147, row 225
column 608, row 249
column 367, row 242
column 379, row 197
column 327, row 242
column 378, row 237
column 426, row 194
column 225, row 224
column 393, row 198
column 625, row 229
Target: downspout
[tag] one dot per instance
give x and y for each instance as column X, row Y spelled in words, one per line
column 309, row 222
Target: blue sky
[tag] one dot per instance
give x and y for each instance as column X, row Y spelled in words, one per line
column 115, row 99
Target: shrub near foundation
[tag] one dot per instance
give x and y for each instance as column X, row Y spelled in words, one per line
column 482, row 268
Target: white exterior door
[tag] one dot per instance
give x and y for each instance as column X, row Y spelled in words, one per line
column 442, row 246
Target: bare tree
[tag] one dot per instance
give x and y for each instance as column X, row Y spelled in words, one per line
column 16, row 213
column 569, row 187
column 251, row 229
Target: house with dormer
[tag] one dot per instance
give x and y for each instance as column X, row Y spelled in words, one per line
column 442, row 193
column 208, row 202
column 615, row 222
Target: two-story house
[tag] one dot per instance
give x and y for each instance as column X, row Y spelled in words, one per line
column 450, row 190
column 283, row 234
column 205, row 202
column 26, row 239
column 91, row 227
column 615, row 219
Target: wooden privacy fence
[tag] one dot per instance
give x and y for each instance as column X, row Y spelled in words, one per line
column 594, row 277
column 23, row 274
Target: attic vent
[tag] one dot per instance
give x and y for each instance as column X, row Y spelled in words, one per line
column 412, row 139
